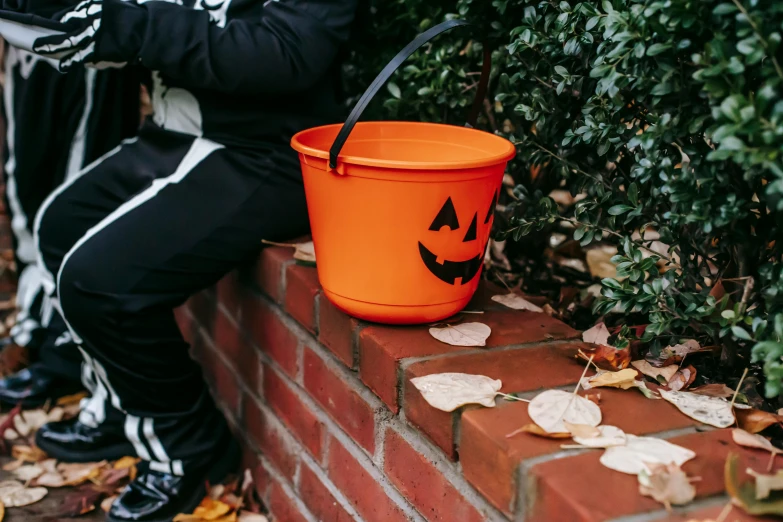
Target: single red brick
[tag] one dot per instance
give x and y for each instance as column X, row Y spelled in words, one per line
column 382, row 347
column 232, row 344
column 360, row 488
column 319, row 499
column 229, row 293
column 423, row 485
column 270, row 441
column 301, row 289
column 339, row 398
column 520, row 370
column 269, row 270
column 335, row 330
column 293, row 412
column 490, row 460
column 270, row 334
column 562, row 494
column 282, row 506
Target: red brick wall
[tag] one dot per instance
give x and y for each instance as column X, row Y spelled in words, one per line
column 335, row 431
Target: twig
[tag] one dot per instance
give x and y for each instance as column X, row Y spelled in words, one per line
column 771, row 462
column 274, row 243
column 725, row 513
column 734, row 398
column 760, row 37
column 512, row 398
column 583, row 354
column 579, row 383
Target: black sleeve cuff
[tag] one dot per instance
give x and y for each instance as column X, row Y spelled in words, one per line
column 121, row 35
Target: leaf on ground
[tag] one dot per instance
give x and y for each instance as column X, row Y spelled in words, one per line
column 516, row 302
column 688, row 347
column 112, row 477
column 466, row 334
column 754, row 421
column 2, row 512
column 551, row 408
column 667, row 484
column 641, row 452
column 246, row 516
column 750, row 440
column 714, row 390
column 647, row 392
column 659, row 375
column 713, row 411
column 607, row 437
column 209, row 509
column 13, row 465
column 51, row 477
column 535, row 429
column 607, row 357
column 28, row 472
column 75, row 474
column 28, row 453
column 70, row 400
column 623, row 379
column 582, row 430
column 682, row 379
column 106, row 503
column 744, row 495
column 598, row 334
column 599, row 261
column 15, row 494
column 449, row 391
column 83, row 500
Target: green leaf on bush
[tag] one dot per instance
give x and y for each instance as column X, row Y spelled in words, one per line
column 394, row 90
column 617, row 210
column 658, row 48
column 741, row 333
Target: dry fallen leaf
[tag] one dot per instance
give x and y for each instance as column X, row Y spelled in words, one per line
column 682, row 379
column 551, row 408
column 467, row 334
column 623, row 379
column 449, row 391
column 305, row 252
column 78, row 473
column 27, row 454
column 607, row 357
column 647, row 392
column 714, row 390
column 641, row 452
column 70, row 400
column 535, row 429
column 667, row 484
column 713, row 411
column 750, row 440
column 766, row 483
column 14, row 494
column 80, row 501
column 246, row 516
column 29, row 421
column 598, row 334
column 28, row 472
column 50, row 477
column 209, row 509
column 660, row 375
column 516, row 302
column 599, row 260
column 107, row 503
column 744, row 495
column 754, row 421
column 607, row 437
column 581, row 430
column 2, row 512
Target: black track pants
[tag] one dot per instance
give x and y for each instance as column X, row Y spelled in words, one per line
column 55, row 125
column 160, row 218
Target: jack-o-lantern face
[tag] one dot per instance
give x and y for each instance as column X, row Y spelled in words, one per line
column 446, row 221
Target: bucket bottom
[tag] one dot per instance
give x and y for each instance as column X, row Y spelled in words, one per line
column 396, row 314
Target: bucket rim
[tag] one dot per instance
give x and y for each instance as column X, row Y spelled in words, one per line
column 495, row 159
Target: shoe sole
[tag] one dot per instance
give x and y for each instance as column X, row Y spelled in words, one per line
column 219, row 471
column 114, row 452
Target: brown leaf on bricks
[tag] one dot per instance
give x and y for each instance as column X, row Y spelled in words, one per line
column 535, row 429
column 755, row 421
column 667, row 484
column 714, row 390
column 607, row 357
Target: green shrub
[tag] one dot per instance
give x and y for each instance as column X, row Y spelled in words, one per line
column 667, row 115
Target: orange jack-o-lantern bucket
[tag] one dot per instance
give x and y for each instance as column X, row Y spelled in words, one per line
column 401, row 212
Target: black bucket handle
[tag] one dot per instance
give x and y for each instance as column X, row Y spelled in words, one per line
column 387, row 72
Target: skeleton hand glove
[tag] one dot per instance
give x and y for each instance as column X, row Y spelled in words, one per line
column 77, row 44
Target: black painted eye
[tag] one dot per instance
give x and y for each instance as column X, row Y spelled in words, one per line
column 471, row 235
column 491, row 209
column 446, row 217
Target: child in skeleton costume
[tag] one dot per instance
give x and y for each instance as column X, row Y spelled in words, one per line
column 55, row 125
column 168, row 214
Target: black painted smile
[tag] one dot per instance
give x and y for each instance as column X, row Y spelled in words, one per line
column 450, row 271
